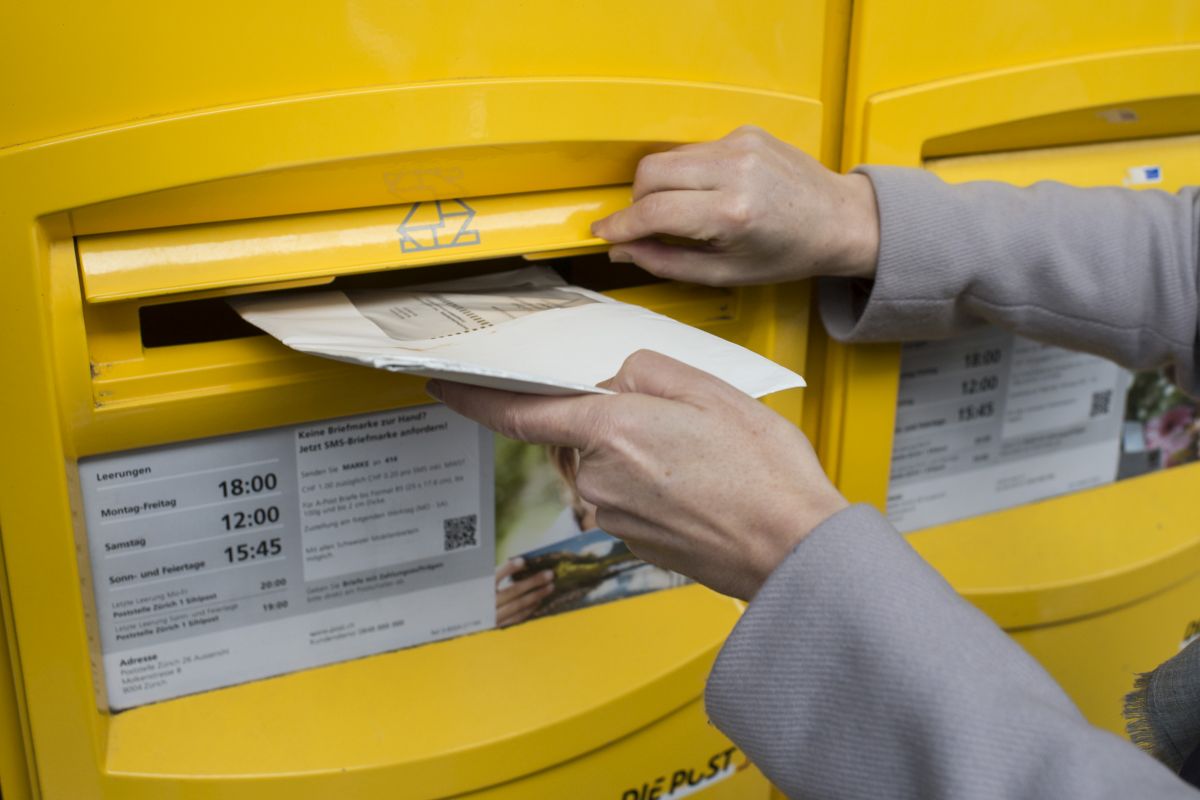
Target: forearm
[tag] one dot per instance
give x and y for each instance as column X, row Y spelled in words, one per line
column 857, row 672
column 1107, row 271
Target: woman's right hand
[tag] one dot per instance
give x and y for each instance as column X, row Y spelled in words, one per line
column 694, row 475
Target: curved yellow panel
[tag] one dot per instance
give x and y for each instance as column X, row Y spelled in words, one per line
column 898, row 44
column 191, row 258
column 84, row 66
column 431, row 717
column 898, row 125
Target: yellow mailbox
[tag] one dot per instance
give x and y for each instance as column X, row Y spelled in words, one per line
column 156, row 160
column 1097, row 584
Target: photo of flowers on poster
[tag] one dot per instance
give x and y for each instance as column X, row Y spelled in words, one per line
column 550, row 555
column 1162, row 426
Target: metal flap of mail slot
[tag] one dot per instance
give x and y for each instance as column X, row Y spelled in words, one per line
column 120, row 266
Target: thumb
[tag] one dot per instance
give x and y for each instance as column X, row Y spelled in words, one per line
column 648, row 372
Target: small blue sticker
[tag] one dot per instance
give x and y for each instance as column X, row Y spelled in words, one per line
column 1136, row 176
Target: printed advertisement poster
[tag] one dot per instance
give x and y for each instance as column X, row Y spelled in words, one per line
column 218, row 561
column 991, row 420
column 550, row 555
column 1162, row 426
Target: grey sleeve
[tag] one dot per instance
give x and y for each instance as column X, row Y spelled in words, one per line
column 1108, row 271
column 857, row 672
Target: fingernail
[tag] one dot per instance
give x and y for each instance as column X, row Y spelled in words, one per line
column 434, row 389
column 620, row 257
column 518, row 562
column 547, row 575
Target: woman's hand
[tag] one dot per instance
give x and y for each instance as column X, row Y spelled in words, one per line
column 754, row 209
column 693, row 474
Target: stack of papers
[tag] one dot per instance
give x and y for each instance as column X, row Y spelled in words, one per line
column 525, row 330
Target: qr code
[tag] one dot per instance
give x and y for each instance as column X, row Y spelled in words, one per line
column 460, row 531
column 1100, row 402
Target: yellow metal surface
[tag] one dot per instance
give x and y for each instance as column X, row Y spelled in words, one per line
column 599, row 156
column 681, row 756
column 1096, row 657
column 1178, row 159
column 1098, row 584
column 196, row 257
column 15, row 763
column 1004, row 62
column 900, row 127
column 105, row 65
column 148, row 132
column 1069, row 557
column 551, row 691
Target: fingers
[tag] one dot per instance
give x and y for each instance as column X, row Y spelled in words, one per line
column 648, row 372
column 677, row 262
column 674, row 192
column 690, row 214
column 644, row 539
column 700, row 166
column 565, row 421
column 676, row 169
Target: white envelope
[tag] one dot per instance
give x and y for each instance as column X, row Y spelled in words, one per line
column 525, row 331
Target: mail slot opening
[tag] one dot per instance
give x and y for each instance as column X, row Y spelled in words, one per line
column 213, row 320
column 192, row 322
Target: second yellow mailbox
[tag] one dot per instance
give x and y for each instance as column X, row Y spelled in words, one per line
column 1097, row 584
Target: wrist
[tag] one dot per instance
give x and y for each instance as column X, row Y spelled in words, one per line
column 793, row 529
column 860, row 250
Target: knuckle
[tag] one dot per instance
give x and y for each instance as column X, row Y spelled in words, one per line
column 638, row 360
column 748, row 133
column 727, row 275
column 511, row 423
column 587, row 483
column 747, row 163
column 637, row 368
column 738, row 212
column 677, row 270
column 659, row 266
column 648, row 169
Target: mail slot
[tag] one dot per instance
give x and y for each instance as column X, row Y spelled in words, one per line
column 297, row 149
column 1095, row 576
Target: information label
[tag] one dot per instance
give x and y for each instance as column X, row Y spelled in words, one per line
column 225, row 560
column 991, row 420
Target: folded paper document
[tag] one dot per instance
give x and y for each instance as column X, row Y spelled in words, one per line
column 524, row 330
